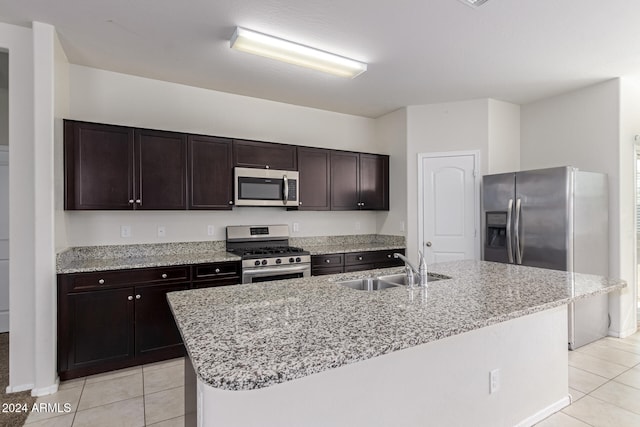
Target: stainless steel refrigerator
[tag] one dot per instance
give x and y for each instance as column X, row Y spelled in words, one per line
column 552, row 218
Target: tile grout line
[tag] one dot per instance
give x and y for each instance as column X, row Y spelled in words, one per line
column 84, row 383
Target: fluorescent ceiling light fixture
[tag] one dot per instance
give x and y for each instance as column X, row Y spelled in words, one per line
column 294, row 53
column 474, row 3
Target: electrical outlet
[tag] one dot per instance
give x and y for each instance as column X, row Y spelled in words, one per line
column 494, row 381
column 401, row 225
column 210, row 230
column 162, row 231
column 357, row 225
column 296, row 227
column 125, row 231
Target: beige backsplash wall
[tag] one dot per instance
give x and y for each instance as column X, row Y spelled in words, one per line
column 108, row 97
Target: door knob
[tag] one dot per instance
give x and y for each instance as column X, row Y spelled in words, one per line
column 428, row 244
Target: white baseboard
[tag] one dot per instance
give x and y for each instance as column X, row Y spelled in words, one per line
column 19, row 388
column 43, row 391
column 544, row 413
column 623, row 334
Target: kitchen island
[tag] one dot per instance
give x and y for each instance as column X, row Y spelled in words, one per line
column 312, row 352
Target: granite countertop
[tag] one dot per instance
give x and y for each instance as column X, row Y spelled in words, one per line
column 86, row 265
column 256, row 335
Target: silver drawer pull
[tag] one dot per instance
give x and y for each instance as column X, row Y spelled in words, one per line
column 359, row 258
column 164, row 275
column 130, row 297
column 101, row 281
column 217, row 270
column 138, row 296
column 389, row 256
column 328, row 261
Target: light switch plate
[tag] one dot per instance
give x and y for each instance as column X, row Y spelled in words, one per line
column 125, row 231
column 162, row 231
column 210, row 230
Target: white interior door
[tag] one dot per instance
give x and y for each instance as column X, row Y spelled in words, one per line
column 449, row 206
column 4, row 239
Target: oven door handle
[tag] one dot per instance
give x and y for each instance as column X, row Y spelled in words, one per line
column 268, row 271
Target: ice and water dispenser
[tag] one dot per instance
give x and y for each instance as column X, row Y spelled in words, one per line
column 495, row 244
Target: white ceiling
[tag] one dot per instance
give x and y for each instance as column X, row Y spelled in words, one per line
column 419, row 51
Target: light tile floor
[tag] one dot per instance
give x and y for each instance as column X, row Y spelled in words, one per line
column 148, row 395
column 604, row 382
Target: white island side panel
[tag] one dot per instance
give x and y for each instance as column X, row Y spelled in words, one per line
column 444, row 382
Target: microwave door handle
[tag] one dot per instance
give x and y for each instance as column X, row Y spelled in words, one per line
column 509, row 244
column 285, row 189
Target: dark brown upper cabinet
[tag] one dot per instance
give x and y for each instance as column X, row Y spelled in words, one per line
column 114, row 167
column 119, row 168
column 345, row 177
column 315, row 185
column 161, row 170
column 264, row 155
column 98, row 166
column 210, row 172
column 374, row 182
column 359, row 181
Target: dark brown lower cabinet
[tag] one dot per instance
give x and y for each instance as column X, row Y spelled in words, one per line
column 102, row 328
column 156, row 331
column 115, row 319
column 354, row 261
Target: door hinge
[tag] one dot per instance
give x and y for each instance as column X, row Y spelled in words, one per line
column 475, row 173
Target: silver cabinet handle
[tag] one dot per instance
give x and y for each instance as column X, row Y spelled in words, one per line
column 359, row 258
column 388, row 255
column 130, row 298
column 139, row 201
column 509, row 246
column 300, row 203
column 285, row 189
column 217, row 270
column 164, row 275
column 266, row 167
column 130, row 201
column 230, row 202
column 428, row 244
column 328, row 261
column 138, row 296
column 101, row 281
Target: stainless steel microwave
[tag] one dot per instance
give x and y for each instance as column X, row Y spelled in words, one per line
column 266, row 187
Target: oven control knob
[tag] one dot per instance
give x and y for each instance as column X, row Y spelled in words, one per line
column 298, row 259
column 264, row 262
column 257, row 263
column 278, row 261
column 291, row 260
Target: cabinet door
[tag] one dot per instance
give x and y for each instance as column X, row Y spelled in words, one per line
column 98, row 166
column 254, row 154
column 210, row 173
column 374, row 182
column 99, row 328
column 314, row 169
column 156, row 332
column 344, row 180
column 161, row 175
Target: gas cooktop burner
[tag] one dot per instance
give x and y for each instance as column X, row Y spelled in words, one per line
column 267, row 251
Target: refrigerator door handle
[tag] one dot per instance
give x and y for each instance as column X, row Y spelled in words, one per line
column 517, row 232
column 509, row 245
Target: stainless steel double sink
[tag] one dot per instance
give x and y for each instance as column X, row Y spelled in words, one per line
column 385, row 282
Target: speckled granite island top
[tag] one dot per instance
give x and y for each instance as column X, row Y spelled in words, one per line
column 256, row 335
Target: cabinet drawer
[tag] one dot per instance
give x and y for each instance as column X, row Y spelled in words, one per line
column 215, row 270
column 329, row 260
column 103, row 279
column 227, row 281
column 361, row 258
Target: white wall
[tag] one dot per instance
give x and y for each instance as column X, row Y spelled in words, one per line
column 583, row 129
column 61, row 111
column 18, row 41
column 454, row 126
column 107, row 97
column 391, row 135
column 504, row 137
column 626, row 306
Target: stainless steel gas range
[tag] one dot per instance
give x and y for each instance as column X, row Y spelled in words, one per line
column 266, row 254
